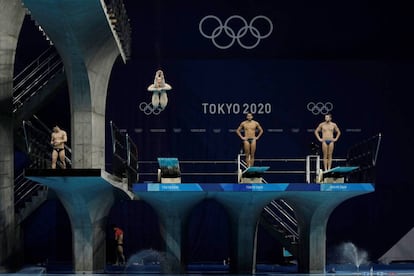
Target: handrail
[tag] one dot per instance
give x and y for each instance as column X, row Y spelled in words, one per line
column 32, row 63
column 37, row 142
column 281, row 222
column 375, row 155
column 48, row 130
column 240, row 165
column 40, row 65
column 286, row 214
column 26, row 84
column 235, row 161
column 364, row 155
column 24, row 189
column 35, row 76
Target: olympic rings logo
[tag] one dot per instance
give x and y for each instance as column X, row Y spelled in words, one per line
column 149, row 109
column 320, row 108
column 235, row 35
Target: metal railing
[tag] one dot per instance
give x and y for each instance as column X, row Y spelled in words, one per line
column 25, row 189
column 35, row 76
column 125, row 155
column 38, row 148
column 282, row 213
column 278, row 212
column 37, row 138
column 365, row 156
column 230, row 169
column 26, row 85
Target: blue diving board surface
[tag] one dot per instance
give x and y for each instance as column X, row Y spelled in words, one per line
column 251, row 187
column 255, row 170
column 339, row 171
column 165, row 162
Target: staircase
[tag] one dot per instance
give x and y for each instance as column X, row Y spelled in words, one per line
column 28, row 197
column 278, row 218
column 37, row 84
column 32, row 88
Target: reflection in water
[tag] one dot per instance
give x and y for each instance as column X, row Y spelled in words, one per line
column 151, row 263
column 32, row 270
column 150, row 260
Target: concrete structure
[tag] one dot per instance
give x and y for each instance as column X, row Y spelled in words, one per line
column 87, row 42
column 87, row 196
column 313, row 204
column 84, row 38
column 11, row 19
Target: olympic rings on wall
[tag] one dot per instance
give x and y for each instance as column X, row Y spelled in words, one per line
column 235, row 35
column 149, row 109
column 320, row 108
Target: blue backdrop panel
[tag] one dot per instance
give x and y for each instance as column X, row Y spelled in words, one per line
column 285, row 62
column 210, row 98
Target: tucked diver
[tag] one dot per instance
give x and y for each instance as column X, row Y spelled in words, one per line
column 159, row 90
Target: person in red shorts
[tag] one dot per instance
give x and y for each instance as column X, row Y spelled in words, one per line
column 119, row 243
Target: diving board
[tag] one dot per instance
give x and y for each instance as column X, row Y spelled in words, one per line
column 255, row 170
column 337, row 174
column 252, row 174
column 166, row 162
column 169, row 170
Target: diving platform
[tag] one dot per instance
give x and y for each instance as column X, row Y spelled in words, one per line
column 313, row 203
column 88, row 195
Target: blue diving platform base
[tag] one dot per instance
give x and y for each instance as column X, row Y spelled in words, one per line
column 88, row 195
column 312, row 203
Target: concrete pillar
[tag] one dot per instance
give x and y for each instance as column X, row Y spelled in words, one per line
column 11, row 19
column 244, row 210
column 312, row 203
column 173, row 213
column 84, row 39
column 87, row 200
column 88, row 222
column 312, row 212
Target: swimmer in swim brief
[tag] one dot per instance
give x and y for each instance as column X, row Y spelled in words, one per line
column 327, row 142
column 57, row 149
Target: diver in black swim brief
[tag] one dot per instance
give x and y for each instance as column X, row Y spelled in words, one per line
column 58, row 140
column 58, row 149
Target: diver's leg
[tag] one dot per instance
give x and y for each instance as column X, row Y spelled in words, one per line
column 163, row 99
